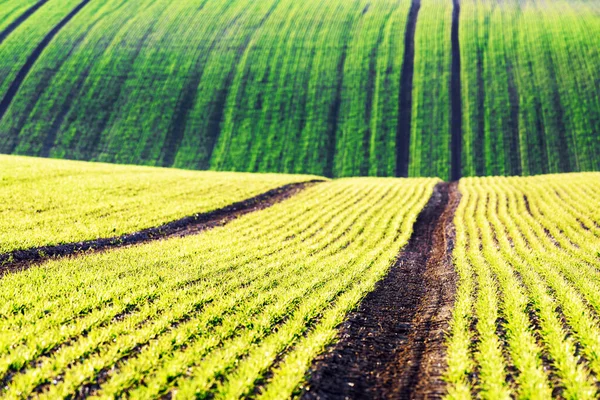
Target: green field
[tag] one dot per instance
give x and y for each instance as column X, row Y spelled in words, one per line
column 315, row 199
column 531, row 92
column 213, row 314
column 304, row 87
column 49, row 202
column 243, row 310
column 526, row 314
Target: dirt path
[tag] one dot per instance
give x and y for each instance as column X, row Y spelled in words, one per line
column 22, row 259
column 393, row 345
column 406, row 89
column 455, row 97
column 37, row 52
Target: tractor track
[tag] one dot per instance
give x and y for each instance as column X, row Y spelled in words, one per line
column 22, row 259
column 456, row 97
column 22, row 18
column 392, row 346
column 34, row 56
column 405, row 100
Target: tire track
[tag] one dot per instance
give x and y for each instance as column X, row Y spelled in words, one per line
column 393, row 345
column 22, row 18
column 22, row 259
column 406, row 89
column 456, row 98
column 37, row 52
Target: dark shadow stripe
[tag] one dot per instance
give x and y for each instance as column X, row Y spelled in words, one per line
column 333, row 117
column 393, row 345
column 16, row 23
column 176, row 131
column 37, row 52
column 22, row 259
column 456, row 99
column 406, row 89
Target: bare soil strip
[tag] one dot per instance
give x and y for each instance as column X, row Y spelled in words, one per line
column 456, row 97
column 22, row 259
column 406, row 89
column 37, row 52
column 22, row 18
column 392, row 346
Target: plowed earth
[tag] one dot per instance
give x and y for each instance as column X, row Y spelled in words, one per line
column 392, row 346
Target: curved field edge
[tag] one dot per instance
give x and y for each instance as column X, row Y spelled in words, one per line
column 51, row 202
column 240, row 310
column 526, row 320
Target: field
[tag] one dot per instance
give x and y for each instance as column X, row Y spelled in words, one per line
column 526, row 320
column 486, row 289
column 237, row 310
column 314, row 200
column 332, row 88
column 54, row 202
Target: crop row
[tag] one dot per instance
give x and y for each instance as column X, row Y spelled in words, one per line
column 47, row 202
column 530, row 89
column 242, row 309
column 311, row 87
column 526, row 323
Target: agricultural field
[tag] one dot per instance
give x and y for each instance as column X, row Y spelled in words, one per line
column 235, row 311
column 526, row 319
column 314, row 200
column 49, row 202
column 333, row 88
column 346, row 288
column 531, row 101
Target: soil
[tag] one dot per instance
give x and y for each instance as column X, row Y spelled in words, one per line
column 392, row 346
column 22, row 259
column 406, row 88
column 456, row 97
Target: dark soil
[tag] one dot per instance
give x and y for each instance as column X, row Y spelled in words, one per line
column 456, row 97
column 392, row 346
column 406, row 89
column 22, row 259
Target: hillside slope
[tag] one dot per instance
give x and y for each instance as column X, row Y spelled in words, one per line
column 321, row 87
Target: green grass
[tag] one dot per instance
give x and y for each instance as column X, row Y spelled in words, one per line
column 48, row 202
column 527, row 256
column 304, row 87
column 237, row 310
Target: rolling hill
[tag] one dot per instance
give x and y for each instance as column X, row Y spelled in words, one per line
column 333, row 88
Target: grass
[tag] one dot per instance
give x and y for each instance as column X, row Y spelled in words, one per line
column 50, row 202
column 526, row 322
column 239, row 310
column 310, row 87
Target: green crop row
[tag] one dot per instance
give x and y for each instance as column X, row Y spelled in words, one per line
column 531, row 97
column 11, row 10
column 47, row 202
column 525, row 323
column 239, row 310
column 304, row 87
column 430, row 128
